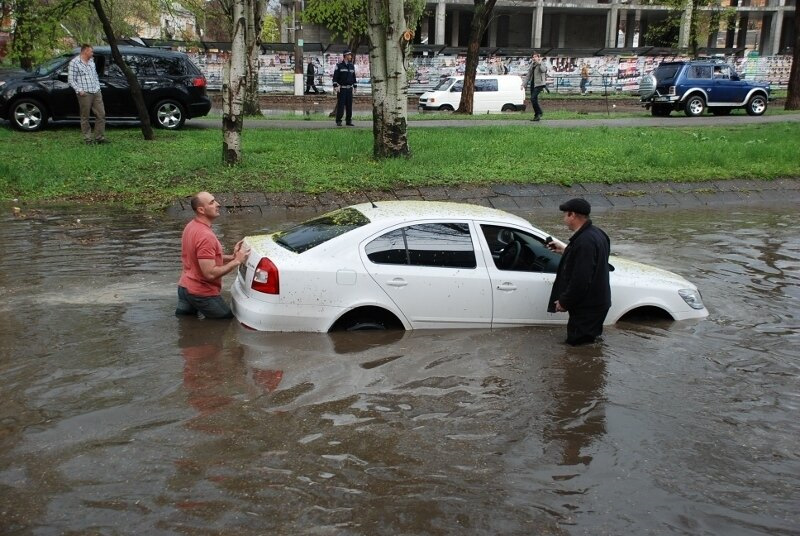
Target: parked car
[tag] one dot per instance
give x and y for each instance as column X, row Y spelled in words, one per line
column 173, row 87
column 493, row 93
column 694, row 86
column 418, row 264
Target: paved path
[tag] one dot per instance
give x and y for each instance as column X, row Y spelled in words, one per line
column 672, row 121
column 783, row 192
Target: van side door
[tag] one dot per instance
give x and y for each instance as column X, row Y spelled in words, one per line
column 486, row 93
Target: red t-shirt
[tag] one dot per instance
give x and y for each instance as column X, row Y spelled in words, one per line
column 199, row 242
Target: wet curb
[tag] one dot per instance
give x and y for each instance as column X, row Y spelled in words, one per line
column 514, row 197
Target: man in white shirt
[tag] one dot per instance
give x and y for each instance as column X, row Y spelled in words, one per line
column 83, row 79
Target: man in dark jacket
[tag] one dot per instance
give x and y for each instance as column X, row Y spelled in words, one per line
column 310, row 73
column 581, row 287
column 344, row 84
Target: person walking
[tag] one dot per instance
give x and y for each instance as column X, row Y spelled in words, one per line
column 536, row 77
column 344, row 85
column 82, row 77
column 584, row 78
column 582, row 287
column 200, row 284
column 310, row 73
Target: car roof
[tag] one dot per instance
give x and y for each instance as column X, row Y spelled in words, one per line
column 135, row 50
column 387, row 211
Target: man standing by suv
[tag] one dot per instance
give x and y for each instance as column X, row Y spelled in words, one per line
column 200, row 285
column 82, row 77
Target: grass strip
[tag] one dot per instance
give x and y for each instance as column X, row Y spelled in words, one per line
column 55, row 164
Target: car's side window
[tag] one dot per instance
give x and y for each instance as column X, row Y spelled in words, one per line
column 458, row 86
column 518, row 251
column 486, row 84
column 447, row 245
column 699, row 72
column 140, row 65
column 169, row 66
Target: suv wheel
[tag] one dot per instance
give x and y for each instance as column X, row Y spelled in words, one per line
column 169, row 114
column 695, row 105
column 757, row 105
column 28, row 115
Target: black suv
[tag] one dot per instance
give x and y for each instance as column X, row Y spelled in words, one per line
column 174, row 89
column 694, row 86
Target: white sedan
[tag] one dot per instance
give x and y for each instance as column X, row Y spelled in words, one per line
column 421, row 264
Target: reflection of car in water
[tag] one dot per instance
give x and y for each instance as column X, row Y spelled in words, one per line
column 416, row 265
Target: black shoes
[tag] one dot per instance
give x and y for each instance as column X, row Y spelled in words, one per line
column 350, row 125
column 338, row 123
column 101, row 141
column 537, row 118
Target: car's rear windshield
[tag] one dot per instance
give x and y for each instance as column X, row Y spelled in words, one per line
column 665, row 73
column 318, row 231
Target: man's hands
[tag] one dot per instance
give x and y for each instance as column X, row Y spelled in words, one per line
column 556, row 246
column 559, row 308
column 240, row 252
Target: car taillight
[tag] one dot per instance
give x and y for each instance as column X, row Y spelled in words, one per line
column 199, row 81
column 265, row 277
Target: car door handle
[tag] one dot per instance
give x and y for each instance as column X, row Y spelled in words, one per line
column 397, row 282
column 149, row 83
column 507, row 286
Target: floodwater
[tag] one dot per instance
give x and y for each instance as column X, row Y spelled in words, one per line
column 118, row 418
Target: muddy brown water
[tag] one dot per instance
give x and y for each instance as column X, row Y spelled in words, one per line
column 118, row 418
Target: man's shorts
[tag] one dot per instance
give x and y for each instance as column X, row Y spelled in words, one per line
column 208, row 306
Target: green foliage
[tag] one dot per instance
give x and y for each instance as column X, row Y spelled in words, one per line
column 345, row 19
column 270, row 30
column 56, row 164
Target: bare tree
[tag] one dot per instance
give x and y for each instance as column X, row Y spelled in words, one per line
column 390, row 31
column 793, row 96
column 256, row 9
column 234, row 87
column 133, row 82
column 480, row 21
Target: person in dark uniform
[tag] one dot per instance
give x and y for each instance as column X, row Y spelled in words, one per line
column 310, row 72
column 581, row 287
column 344, row 84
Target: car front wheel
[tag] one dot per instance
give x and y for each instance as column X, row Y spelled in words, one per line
column 28, row 115
column 757, row 105
column 694, row 106
column 446, row 108
column 169, row 114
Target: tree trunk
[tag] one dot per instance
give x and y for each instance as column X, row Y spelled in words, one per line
column 480, row 20
column 255, row 19
column 389, row 36
column 793, row 95
column 133, row 82
column 233, row 88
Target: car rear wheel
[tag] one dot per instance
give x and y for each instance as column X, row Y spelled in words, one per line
column 660, row 110
column 509, row 108
column 757, row 105
column 695, row 105
column 724, row 110
column 169, row 114
column 28, row 115
column 446, row 108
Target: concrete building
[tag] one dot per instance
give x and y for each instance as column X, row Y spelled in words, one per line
column 764, row 26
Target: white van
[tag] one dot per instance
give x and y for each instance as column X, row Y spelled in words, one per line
column 493, row 93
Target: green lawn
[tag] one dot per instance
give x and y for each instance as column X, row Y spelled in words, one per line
column 55, row 164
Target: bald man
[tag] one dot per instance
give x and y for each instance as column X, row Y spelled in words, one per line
column 200, row 285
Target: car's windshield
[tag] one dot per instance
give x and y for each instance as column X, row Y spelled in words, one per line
column 665, row 73
column 318, row 231
column 444, row 84
column 50, row 66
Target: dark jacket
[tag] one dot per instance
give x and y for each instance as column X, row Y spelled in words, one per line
column 582, row 277
column 310, row 72
column 344, row 74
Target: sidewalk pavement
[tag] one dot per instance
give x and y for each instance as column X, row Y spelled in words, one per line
column 529, row 197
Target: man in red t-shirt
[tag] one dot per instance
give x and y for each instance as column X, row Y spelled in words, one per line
column 204, row 264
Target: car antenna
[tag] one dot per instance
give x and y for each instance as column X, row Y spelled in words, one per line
column 370, row 200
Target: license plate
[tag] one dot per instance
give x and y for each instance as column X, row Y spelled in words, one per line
column 661, row 99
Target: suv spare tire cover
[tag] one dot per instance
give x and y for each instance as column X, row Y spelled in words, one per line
column 647, row 86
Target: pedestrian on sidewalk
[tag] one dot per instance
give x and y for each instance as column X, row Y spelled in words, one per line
column 310, row 73
column 584, row 78
column 200, row 285
column 536, row 77
column 344, row 85
column 582, row 287
column 82, row 77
